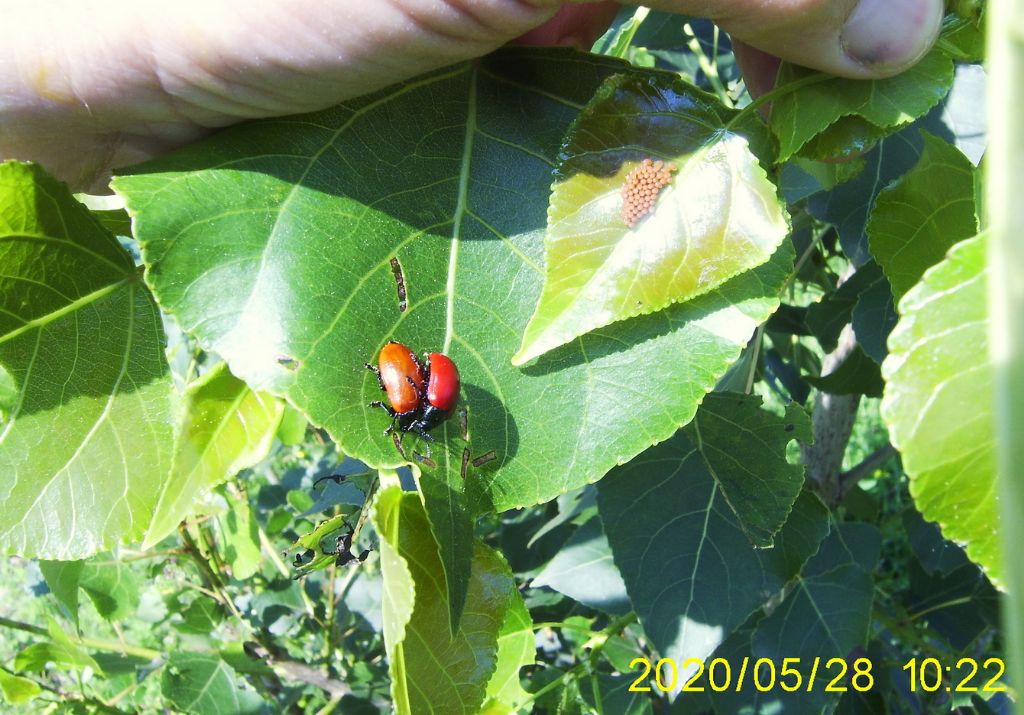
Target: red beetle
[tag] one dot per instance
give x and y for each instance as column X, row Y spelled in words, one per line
column 421, row 396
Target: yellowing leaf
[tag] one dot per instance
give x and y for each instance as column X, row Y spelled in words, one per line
column 717, row 218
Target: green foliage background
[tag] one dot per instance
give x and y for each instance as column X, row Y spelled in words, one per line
column 767, row 438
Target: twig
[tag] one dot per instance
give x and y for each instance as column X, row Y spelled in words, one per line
column 869, row 464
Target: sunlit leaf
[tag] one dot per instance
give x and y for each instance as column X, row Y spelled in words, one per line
column 241, row 538
column 881, row 106
column 18, row 690
column 516, row 648
column 718, row 217
column 112, row 586
column 431, row 669
column 937, row 376
column 85, row 451
column 226, row 428
column 60, row 651
column 917, row 218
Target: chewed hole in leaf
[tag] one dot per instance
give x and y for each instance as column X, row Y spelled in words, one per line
column 642, row 187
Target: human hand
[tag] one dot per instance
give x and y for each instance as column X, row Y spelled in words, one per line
column 86, row 86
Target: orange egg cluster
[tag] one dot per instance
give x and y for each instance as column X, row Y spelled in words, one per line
column 642, row 187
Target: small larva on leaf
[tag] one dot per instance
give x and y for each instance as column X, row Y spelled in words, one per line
column 642, row 187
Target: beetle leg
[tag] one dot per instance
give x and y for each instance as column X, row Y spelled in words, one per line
column 389, row 410
column 386, row 408
column 376, row 371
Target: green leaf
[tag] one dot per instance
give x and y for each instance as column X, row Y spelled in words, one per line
column 240, row 533
column 201, row 616
column 826, row 615
column 204, row 684
column 881, row 106
column 937, row 376
column 292, row 429
column 516, row 649
column 431, row 669
column 62, row 578
column 858, row 374
column 849, row 205
column 81, row 337
column 874, row 315
column 676, row 541
column 584, row 571
column 744, row 449
column 61, row 651
column 917, row 218
column 717, row 218
column 18, row 690
column 616, row 694
column 226, row 428
column 274, row 253
column 112, row 586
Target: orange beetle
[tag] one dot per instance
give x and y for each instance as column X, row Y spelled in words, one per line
column 400, row 375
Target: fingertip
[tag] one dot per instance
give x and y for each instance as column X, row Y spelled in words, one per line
column 885, row 37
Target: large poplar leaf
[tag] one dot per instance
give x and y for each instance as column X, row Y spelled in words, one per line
column 676, row 542
column 744, row 449
column 86, row 429
column 718, row 217
column 436, row 666
column 272, row 244
column 938, row 376
column 917, row 218
column 226, row 427
column 871, row 108
column 826, row 615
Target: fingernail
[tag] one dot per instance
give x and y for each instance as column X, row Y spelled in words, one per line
column 890, row 35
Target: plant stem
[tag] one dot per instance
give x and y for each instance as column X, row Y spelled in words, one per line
column 752, row 372
column 92, row 643
column 1004, row 176
column 709, row 68
column 870, row 463
column 616, row 626
column 745, row 113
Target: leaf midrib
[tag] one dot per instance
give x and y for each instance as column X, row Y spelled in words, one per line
column 71, row 307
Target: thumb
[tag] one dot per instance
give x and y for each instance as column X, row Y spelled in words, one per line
column 863, row 39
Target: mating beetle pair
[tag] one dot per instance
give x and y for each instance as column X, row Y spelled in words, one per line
column 422, row 394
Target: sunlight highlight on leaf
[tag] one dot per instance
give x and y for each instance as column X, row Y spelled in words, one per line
column 936, row 403
column 85, row 447
column 718, row 216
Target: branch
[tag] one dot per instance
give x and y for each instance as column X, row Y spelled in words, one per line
column 832, row 420
column 874, row 460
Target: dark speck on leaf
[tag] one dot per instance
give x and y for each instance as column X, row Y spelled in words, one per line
column 790, row 428
column 287, row 363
